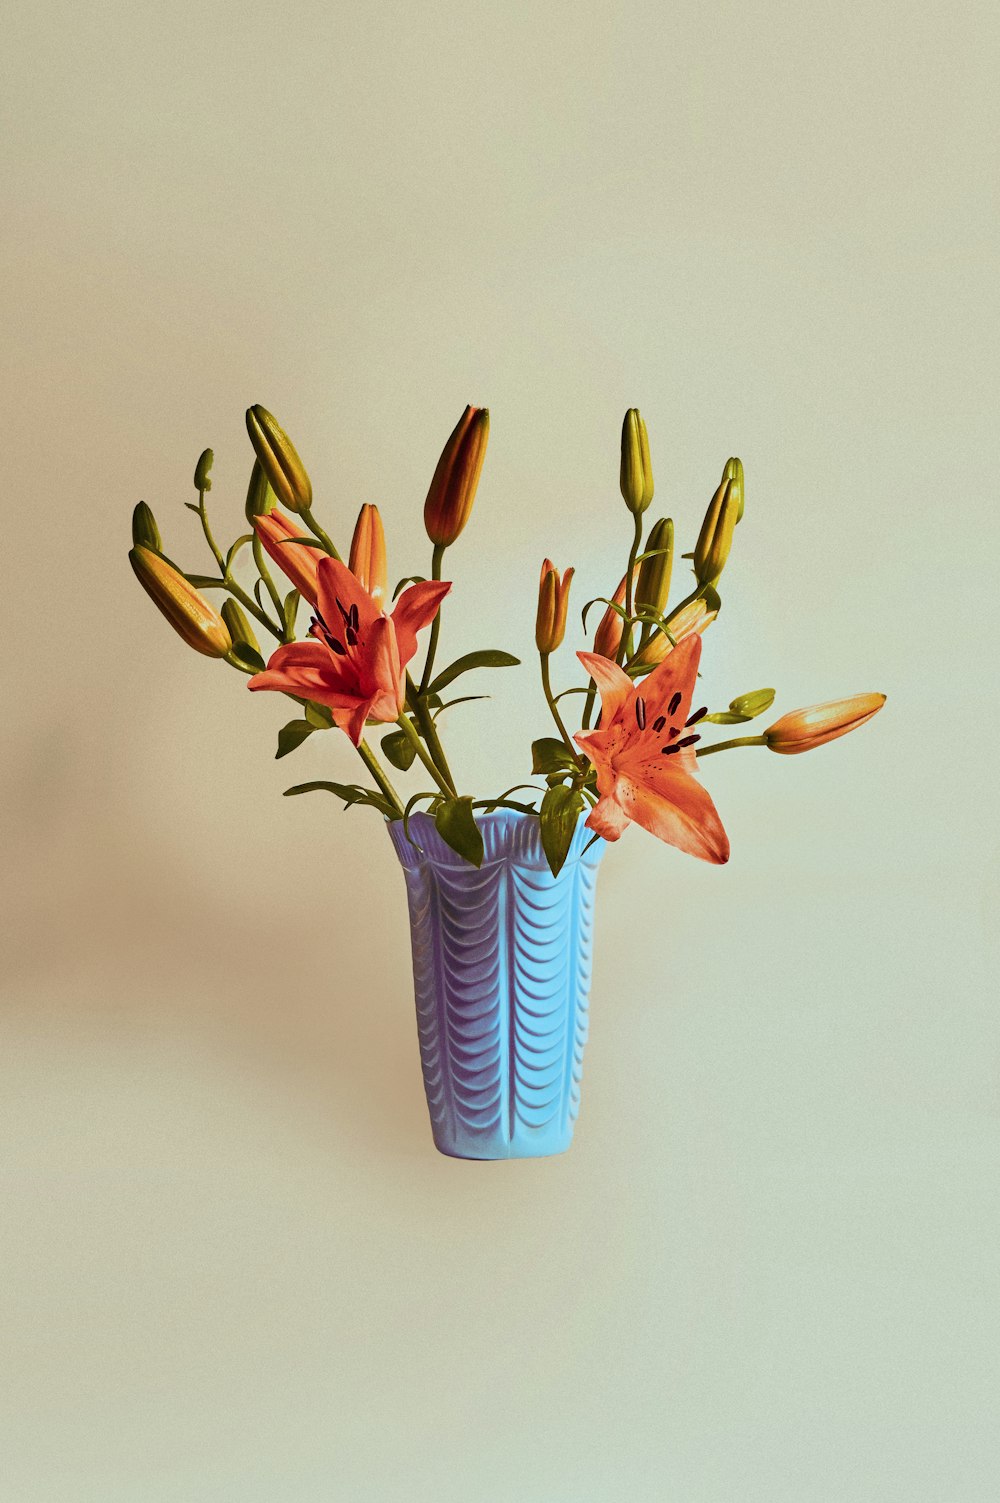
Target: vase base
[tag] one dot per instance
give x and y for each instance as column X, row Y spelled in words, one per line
column 542, row 1147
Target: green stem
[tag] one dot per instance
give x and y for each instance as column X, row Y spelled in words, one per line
column 588, row 706
column 625, row 645
column 705, row 751
column 265, row 574
column 429, row 731
column 409, row 730
column 425, row 678
column 317, row 532
column 210, row 540
column 251, row 605
column 385, row 787
column 554, row 708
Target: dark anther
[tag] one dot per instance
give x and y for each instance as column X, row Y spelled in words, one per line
column 346, row 614
column 688, row 741
column 353, row 621
column 698, row 715
column 640, row 712
column 675, row 700
column 351, row 635
column 674, row 732
column 335, row 646
column 668, row 749
column 659, row 723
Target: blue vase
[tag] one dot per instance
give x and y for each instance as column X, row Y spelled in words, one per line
column 501, row 974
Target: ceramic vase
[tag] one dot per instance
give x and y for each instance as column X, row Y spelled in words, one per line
column 501, row 974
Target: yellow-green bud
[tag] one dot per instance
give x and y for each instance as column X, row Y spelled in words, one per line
column 239, row 627
column 636, row 470
column 716, row 536
column 279, row 460
column 261, row 500
column 734, row 472
column 188, row 612
column 753, row 704
column 653, row 585
column 145, row 533
column 201, row 471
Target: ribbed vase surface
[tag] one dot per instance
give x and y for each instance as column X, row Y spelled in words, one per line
column 501, row 974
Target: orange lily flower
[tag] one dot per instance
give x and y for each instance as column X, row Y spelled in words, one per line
column 297, row 562
column 644, row 755
column 691, row 620
column 801, row 730
column 355, row 657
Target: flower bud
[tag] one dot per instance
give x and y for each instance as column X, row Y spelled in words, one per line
column 279, row 460
column 654, row 573
column 752, row 705
column 260, row 498
column 297, row 561
column 609, row 632
column 734, row 472
column 801, row 730
column 201, row 469
column 636, row 470
column 367, row 556
column 453, row 487
column 188, row 612
column 690, row 618
column 553, row 604
column 716, row 536
column 239, row 627
column 145, row 533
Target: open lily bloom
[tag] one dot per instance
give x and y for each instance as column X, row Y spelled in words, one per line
column 355, row 658
column 644, row 755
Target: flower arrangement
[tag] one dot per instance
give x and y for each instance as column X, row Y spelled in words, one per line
column 635, row 757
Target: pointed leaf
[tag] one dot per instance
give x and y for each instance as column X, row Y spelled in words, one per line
column 351, row 793
column 560, row 811
column 408, row 579
column 456, row 824
column 292, row 735
column 234, row 550
column 303, row 542
column 549, row 754
column 206, row 582
column 489, row 657
column 290, row 610
column 248, row 657
column 399, row 749
column 318, row 715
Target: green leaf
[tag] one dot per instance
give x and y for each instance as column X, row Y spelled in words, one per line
column 248, row 656
column 549, row 754
column 488, row 657
column 318, row 715
column 456, row 824
column 752, row 705
column 351, row 793
column 408, row 579
column 560, row 811
column 191, row 507
column 725, row 717
column 239, row 543
column 292, row 735
column 206, row 582
column 289, row 611
column 399, row 749
column 304, row 542
column 463, row 699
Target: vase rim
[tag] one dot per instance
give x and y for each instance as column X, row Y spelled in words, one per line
column 508, row 835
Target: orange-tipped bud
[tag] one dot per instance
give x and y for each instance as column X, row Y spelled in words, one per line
column 716, row 536
column 188, row 612
column 691, row 618
column 608, row 635
column 553, row 604
column 279, row 460
column 801, row 730
column 636, row 476
column 453, row 488
column 367, row 557
column 297, row 561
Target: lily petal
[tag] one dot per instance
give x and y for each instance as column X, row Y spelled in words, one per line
column 613, row 682
column 416, row 608
column 680, row 812
column 608, row 818
column 381, row 670
column 337, row 587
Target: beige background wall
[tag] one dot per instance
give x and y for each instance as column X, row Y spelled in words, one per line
column 232, row 1266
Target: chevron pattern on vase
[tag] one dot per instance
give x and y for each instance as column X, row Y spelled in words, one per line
column 501, row 972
